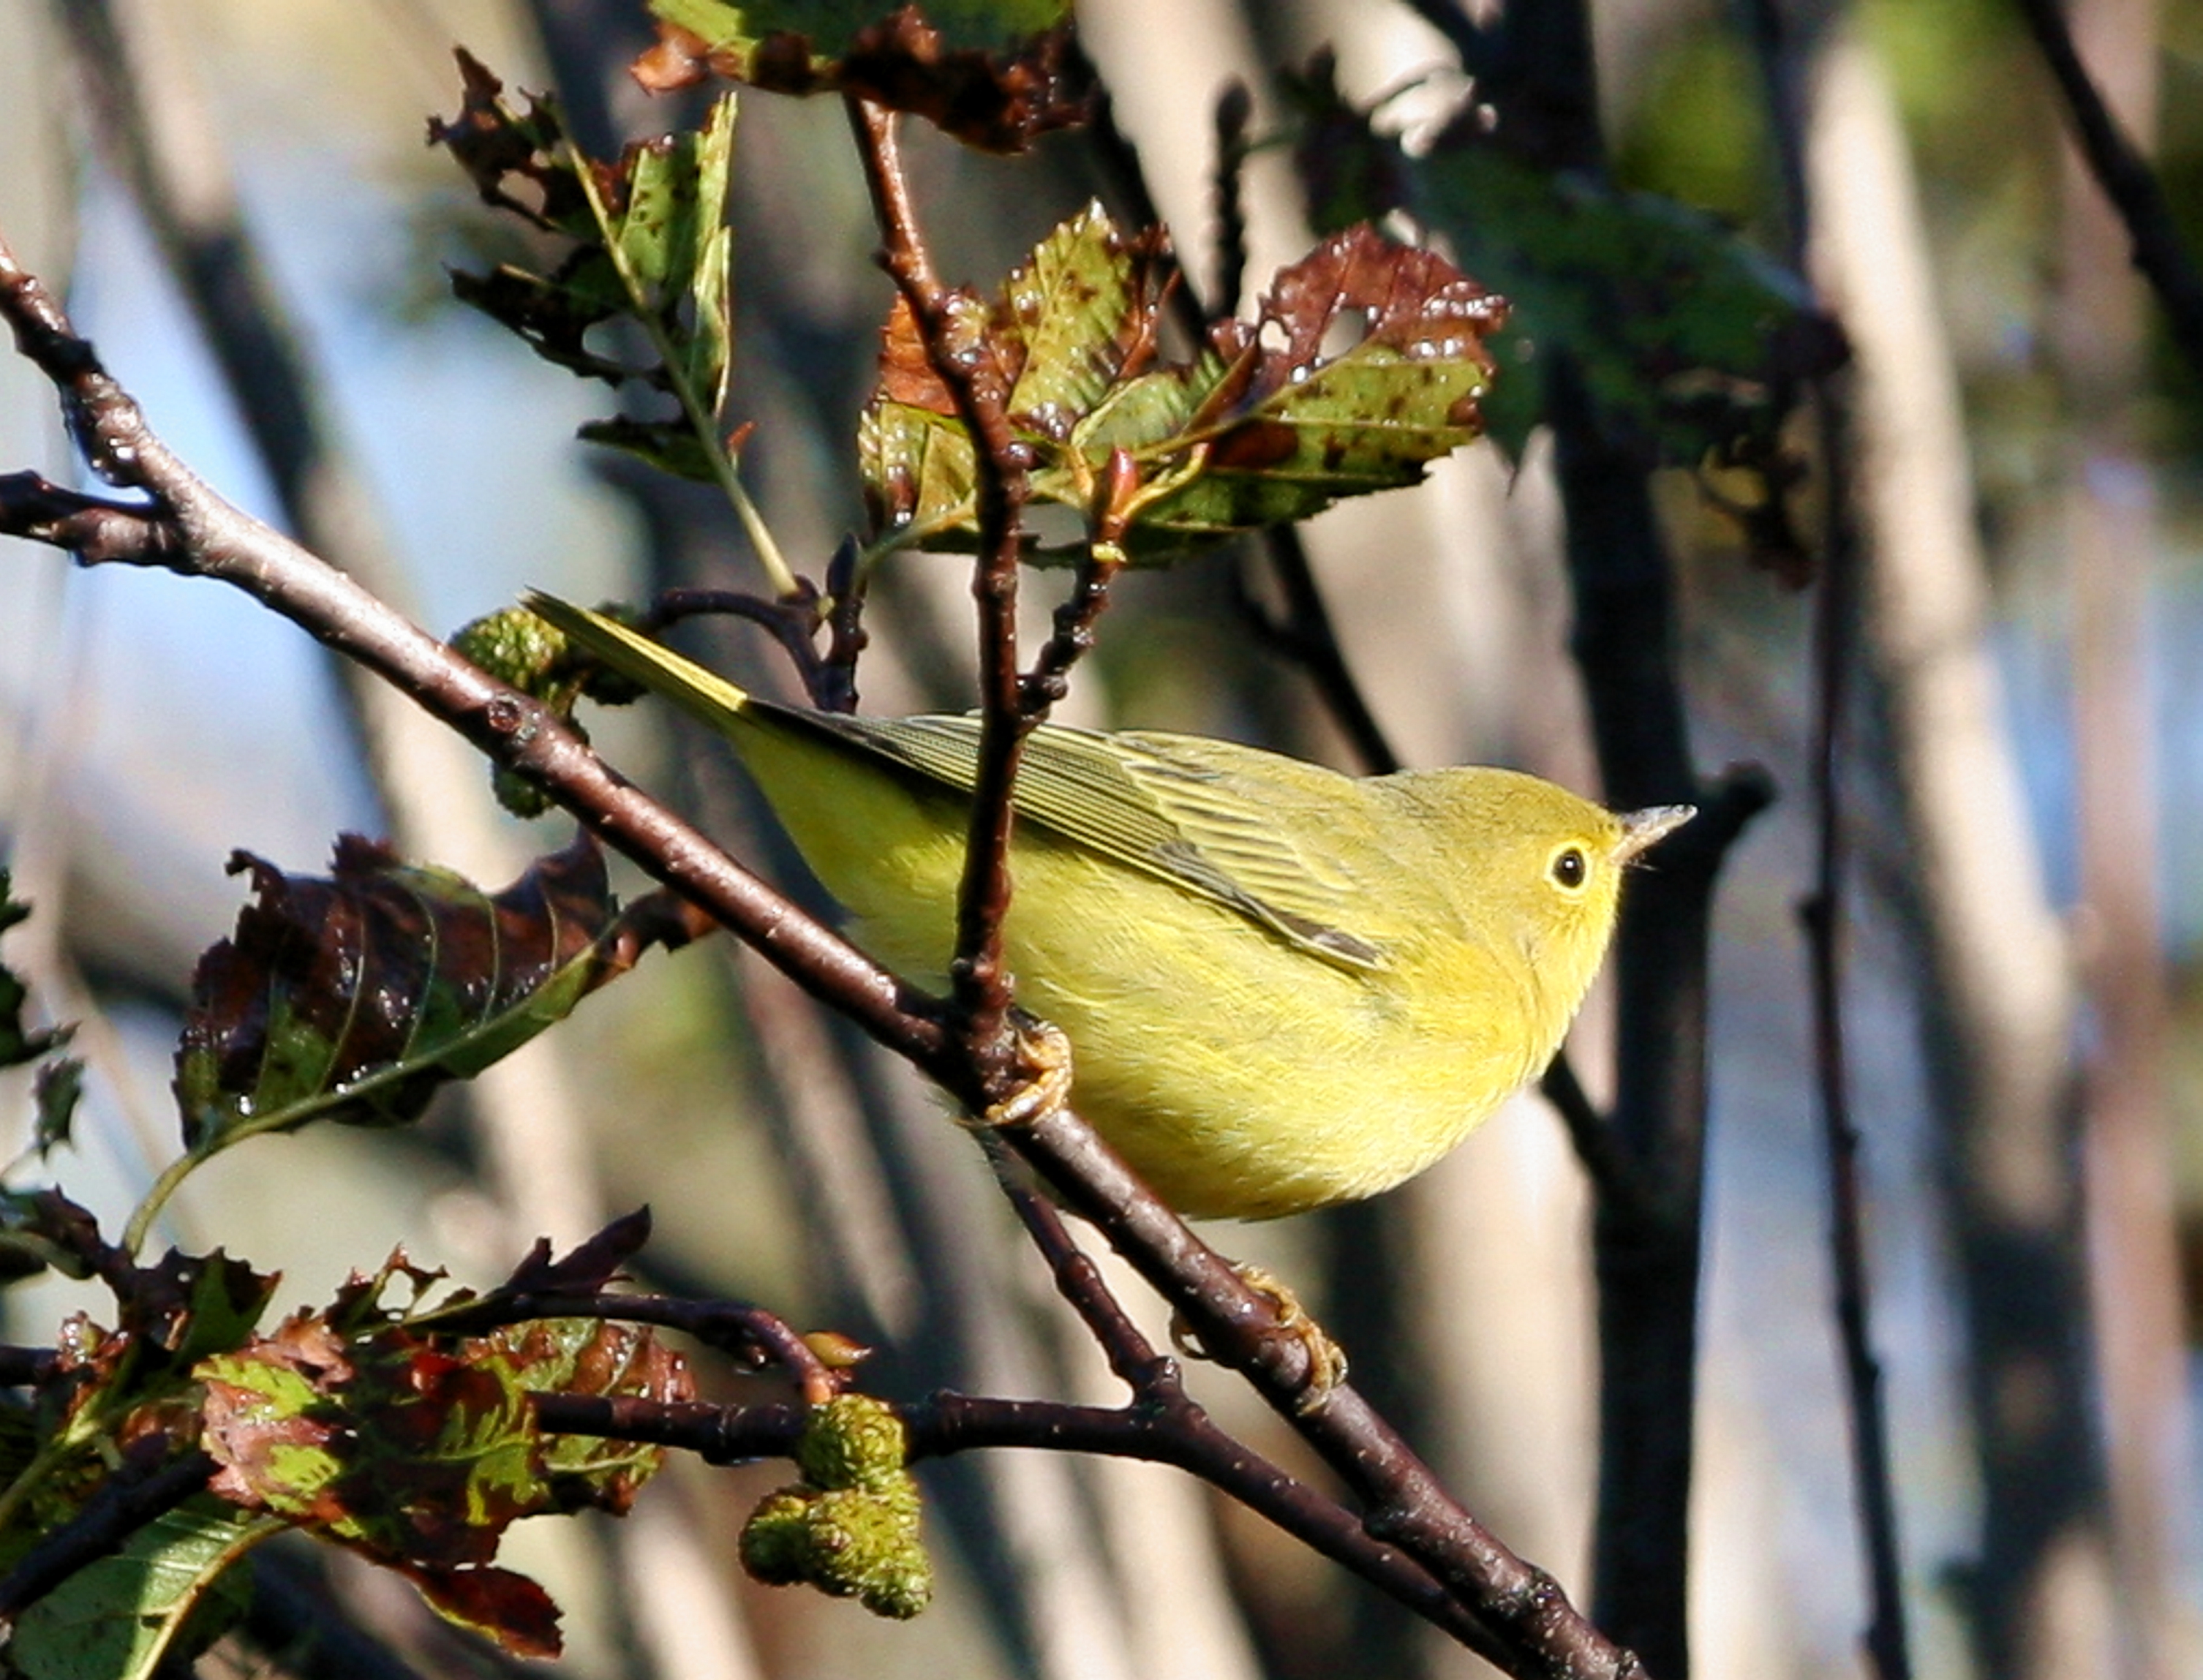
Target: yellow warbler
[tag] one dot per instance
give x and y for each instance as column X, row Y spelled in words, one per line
column 1284, row 987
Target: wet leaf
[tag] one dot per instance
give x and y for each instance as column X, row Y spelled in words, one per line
column 577, row 1356
column 1365, row 363
column 353, row 998
column 188, row 1307
column 995, row 74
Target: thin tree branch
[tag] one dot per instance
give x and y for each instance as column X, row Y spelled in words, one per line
column 750, row 1336
column 958, row 359
column 123, row 1503
column 945, row 1424
column 1780, row 57
column 1304, row 634
column 196, row 533
column 2158, row 254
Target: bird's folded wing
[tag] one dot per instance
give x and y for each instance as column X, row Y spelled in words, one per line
column 1143, row 801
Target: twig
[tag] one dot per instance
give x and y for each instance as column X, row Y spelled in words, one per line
column 793, row 621
column 845, row 630
column 1131, row 1357
column 1234, row 106
column 1049, row 680
column 749, row 1335
column 1403, row 1502
column 981, row 983
column 1174, row 1429
column 123, row 1503
column 1613, row 1174
column 2158, row 254
column 945, row 1424
column 1305, row 634
column 1821, row 913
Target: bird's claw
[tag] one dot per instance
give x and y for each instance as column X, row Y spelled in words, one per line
column 1327, row 1359
column 1044, row 1063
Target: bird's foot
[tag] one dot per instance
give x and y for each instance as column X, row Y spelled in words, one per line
column 1327, row 1359
column 1044, row 1077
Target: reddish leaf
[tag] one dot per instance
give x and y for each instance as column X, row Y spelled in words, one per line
column 1365, row 363
column 419, row 1451
column 499, row 1603
column 589, row 1267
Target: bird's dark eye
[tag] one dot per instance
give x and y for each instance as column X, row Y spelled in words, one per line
column 1570, row 866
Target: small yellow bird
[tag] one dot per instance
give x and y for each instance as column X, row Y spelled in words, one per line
column 1284, row 987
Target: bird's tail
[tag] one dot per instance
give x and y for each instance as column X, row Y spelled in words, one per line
column 710, row 698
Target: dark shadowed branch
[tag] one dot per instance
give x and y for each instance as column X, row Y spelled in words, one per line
column 2127, row 180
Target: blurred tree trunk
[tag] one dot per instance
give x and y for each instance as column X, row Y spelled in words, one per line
column 2110, row 531
column 1996, row 1004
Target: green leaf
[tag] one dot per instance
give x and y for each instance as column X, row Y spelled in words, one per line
column 1366, row 361
column 662, row 252
column 1687, row 340
column 168, row 1592
column 995, row 74
column 579, row 1356
column 671, row 446
column 353, row 998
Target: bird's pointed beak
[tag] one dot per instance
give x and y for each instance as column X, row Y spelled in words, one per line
column 1642, row 830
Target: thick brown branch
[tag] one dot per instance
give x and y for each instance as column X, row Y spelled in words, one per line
column 207, row 537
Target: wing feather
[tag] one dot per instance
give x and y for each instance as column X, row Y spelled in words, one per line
column 1152, row 803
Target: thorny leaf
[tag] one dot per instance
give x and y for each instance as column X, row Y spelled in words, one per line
column 1689, row 343
column 358, row 1307
column 420, row 1454
column 995, row 74
column 662, row 254
column 354, row 998
column 1365, row 363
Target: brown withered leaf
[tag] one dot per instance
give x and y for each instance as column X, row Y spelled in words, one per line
column 996, row 74
column 587, row 1267
column 354, row 998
